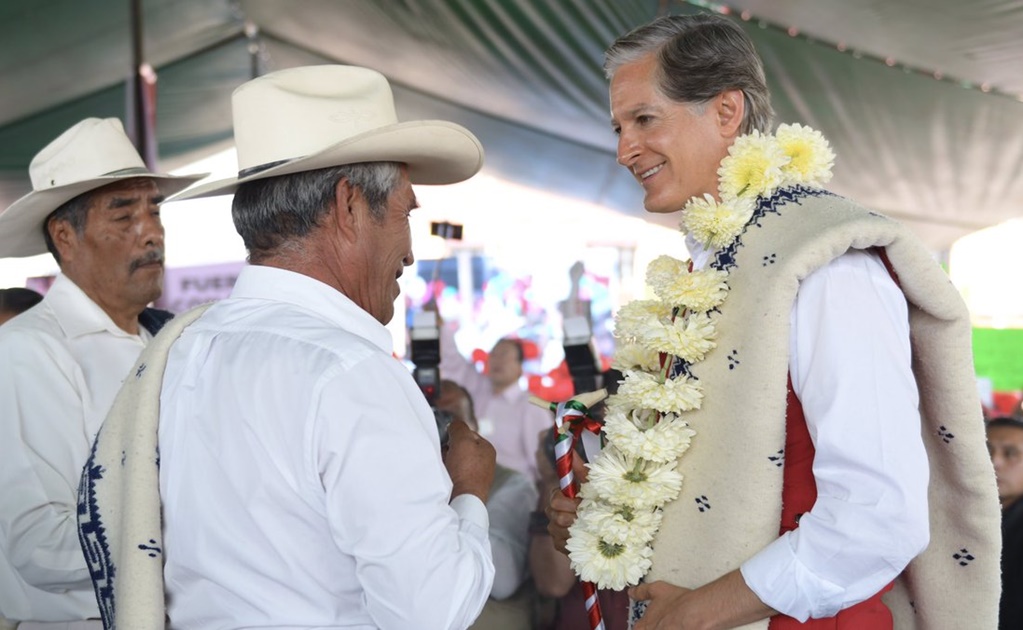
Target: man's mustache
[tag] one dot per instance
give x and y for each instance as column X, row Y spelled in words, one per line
column 153, row 256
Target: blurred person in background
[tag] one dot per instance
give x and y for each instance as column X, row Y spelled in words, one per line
column 506, row 418
column 16, row 300
column 96, row 208
column 512, row 496
column 1005, row 444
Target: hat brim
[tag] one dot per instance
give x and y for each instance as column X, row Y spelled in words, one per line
column 435, row 151
column 21, row 224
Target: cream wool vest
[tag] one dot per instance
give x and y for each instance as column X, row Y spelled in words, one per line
column 730, row 504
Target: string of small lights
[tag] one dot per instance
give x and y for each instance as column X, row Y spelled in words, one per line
column 843, row 47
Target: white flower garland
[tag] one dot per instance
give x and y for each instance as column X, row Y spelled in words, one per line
column 636, row 474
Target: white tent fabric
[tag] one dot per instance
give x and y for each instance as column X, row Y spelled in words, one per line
column 525, row 76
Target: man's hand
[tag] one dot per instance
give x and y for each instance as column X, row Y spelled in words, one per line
column 470, row 461
column 561, row 511
column 666, row 605
column 724, row 603
column 547, row 484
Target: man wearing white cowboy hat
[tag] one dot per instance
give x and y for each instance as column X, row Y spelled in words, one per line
column 95, row 207
column 301, row 476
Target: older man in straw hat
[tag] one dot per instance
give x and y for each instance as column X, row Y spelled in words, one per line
column 96, row 208
column 301, row 475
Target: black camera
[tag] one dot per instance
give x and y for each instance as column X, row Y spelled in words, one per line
column 579, row 355
column 443, row 418
column 425, row 338
column 446, row 230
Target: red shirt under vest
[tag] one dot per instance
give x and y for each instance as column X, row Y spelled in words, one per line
column 799, row 493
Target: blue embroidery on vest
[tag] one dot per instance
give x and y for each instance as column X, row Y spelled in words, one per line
column 945, row 434
column 681, row 367
column 766, row 206
column 151, row 551
column 637, row 611
column 93, row 538
column 964, row 557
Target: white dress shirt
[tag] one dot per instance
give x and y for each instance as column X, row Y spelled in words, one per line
column 301, row 476
column 850, row 363
column 506, row 419
column 61, row 364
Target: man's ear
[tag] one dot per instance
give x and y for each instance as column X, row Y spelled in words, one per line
column 730, row 108
column 65, row 239
column 347, row 214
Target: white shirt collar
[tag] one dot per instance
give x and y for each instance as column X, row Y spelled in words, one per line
column 260, row 282
column 700, row 256
column 76, row 313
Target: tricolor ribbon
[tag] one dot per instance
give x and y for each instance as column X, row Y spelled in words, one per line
column 573, row 416
column 573, row 422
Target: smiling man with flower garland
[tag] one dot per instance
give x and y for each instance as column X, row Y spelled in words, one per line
column 798, row 433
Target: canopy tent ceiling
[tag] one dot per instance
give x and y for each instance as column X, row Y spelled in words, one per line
column 525, row 76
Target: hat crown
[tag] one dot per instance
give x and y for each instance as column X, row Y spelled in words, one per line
column 315, row 117
column 298, row 112
column 92, row 148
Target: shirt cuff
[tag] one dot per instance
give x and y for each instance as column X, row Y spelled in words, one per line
column 782, row 582
column 470, row 508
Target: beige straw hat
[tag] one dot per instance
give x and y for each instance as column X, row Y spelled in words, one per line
column 313, row 117
column 89, row 155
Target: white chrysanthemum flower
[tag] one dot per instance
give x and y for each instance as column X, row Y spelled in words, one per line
column 621, row 404
column 697, row 291
column 662, row 271
column 643, row 419
column 637, row 315
column 810, row 155
column 753, row 167
column 620, row 524
column 608, row 565
column 716, row 224
column 690, row 337
column 586, row 491
column 633, row 356
column 630, row 481
column 646, row 391
column 665, row 441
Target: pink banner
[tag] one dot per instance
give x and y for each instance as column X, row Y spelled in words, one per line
column 185, row 287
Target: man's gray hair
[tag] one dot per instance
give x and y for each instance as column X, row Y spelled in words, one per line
column 699, row 56
column 277, row 211
column 75, row 212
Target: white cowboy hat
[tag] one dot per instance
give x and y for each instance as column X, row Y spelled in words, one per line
column 313, row 117
column 93, row 153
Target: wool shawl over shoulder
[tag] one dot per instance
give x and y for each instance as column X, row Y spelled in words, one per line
column 730, row 504
column 119, row 519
